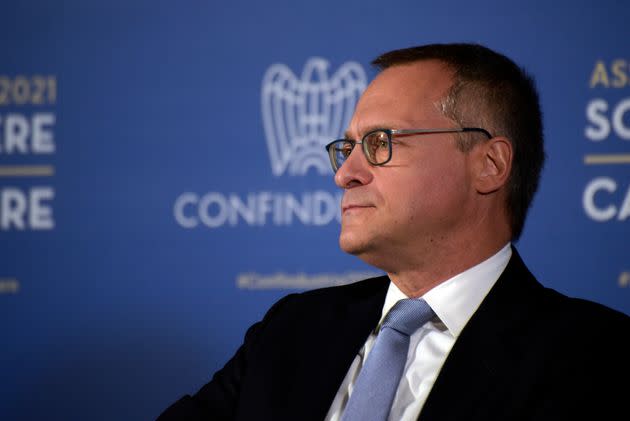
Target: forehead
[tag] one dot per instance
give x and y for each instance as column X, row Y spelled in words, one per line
column 403, row 95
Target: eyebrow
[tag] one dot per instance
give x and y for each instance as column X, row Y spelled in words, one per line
column 371, row 128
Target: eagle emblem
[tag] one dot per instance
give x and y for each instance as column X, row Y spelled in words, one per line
column 301, row 115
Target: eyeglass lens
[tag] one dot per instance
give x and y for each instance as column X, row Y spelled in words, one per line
column 376, row 147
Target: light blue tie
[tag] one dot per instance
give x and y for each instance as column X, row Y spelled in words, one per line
column 376, row 386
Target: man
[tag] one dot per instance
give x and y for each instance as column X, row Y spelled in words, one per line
column 439, row 166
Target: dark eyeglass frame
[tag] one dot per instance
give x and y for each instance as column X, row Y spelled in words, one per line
column 330, row 148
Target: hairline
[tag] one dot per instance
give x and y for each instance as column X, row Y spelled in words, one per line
column 446, row 105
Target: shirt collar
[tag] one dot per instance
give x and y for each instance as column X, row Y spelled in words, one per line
column 455, row 300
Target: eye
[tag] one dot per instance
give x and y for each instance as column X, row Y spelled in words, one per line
column 377, row 139
column 345, row 149
column 383, row 141
column 376, row 145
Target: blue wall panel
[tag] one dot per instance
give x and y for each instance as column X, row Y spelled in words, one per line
column 114, row 303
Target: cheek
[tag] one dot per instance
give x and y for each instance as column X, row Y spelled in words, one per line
column 433, row 189
column 405, row 198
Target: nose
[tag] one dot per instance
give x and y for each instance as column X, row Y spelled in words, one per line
column 355, row 171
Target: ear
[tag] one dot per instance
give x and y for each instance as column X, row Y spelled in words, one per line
column 493, row 164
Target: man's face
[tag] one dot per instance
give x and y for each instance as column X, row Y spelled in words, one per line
column 398, row 212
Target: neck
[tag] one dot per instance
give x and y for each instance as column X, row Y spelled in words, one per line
column 422, row 270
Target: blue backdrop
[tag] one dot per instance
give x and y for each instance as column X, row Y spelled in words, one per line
column 149, row 206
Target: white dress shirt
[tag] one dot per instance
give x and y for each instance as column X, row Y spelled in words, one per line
column 454, row 302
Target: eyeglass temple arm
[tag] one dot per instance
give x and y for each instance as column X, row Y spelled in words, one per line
column 464, row 129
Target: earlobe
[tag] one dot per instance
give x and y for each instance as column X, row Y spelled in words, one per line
column 494, row 164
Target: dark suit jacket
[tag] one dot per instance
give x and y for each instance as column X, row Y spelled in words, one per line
column 527, row 353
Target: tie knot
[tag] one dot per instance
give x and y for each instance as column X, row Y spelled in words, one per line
column 408, row 315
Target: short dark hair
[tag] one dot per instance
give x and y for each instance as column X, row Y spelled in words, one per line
column 490, row 91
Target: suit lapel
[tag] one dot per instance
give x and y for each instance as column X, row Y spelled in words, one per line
column 338, row 336
column 477, row 371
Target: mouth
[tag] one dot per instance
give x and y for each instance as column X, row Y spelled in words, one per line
column 352, row 208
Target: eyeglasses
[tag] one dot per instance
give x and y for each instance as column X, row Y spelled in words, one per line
column 377, row 144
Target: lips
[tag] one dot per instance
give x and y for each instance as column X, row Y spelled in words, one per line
column 351, row 207
column 354, row 201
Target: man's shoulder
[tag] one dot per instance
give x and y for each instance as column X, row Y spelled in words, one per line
column 574, row 311
column 519, row 303
column 566, row 321
column 355, row 290
column 366, row 296
column 552, row 303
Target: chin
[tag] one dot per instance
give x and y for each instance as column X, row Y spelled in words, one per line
column 353, row 244
column 365, row 248
column 347, row 243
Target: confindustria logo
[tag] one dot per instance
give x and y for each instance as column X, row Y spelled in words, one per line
column 301, row 115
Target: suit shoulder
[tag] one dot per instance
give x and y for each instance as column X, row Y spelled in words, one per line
column 580, row 310
column 330, row 301
column 569, row 320
column 356, row 290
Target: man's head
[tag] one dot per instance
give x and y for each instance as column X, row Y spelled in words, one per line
column 489, row 90
column 441, row 189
